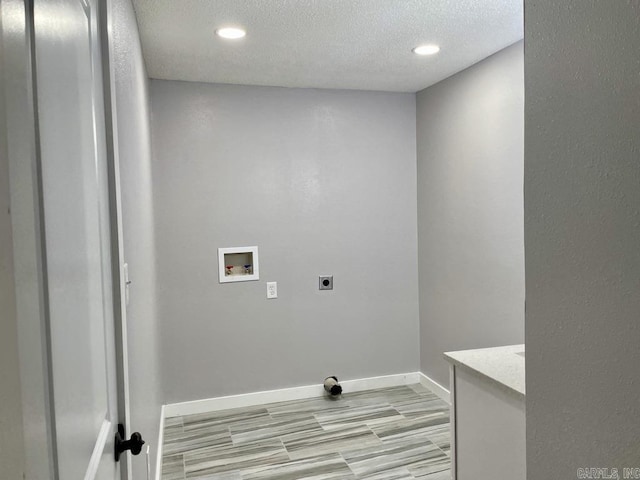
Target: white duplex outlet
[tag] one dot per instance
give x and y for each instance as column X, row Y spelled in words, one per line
column 272, row 289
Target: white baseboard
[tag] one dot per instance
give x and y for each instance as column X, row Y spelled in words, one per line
column 286, row 394
column 435, row 387
column 158, row 472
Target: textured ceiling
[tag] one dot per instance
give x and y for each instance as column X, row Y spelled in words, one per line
column 350, row 44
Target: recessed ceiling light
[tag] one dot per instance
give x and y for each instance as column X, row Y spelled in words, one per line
column 231, row 33
column 426, row 50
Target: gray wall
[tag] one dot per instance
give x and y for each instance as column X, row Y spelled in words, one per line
column 323, row 182
column 11, row 434
column 582, row 235
column 470, row 210
column 134, row 155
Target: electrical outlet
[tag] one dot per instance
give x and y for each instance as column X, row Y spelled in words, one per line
column 326, row 282
column 272, row 289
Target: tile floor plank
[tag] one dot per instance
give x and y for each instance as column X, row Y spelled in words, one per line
column 274, row 428
column 361, row 415
column 326, row 467
column 223, row 420
column 306, row 406
column 172, row 467
column 405, row 430
column 201, row 438
column 310, row 444
column 417, row 456
column 393, row 474
column 211, row 460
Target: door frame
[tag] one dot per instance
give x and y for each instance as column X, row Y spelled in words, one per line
column 34, row 336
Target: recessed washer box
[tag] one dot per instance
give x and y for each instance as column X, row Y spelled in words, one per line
column 238, row 264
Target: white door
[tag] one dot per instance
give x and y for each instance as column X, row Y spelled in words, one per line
column 77, row 246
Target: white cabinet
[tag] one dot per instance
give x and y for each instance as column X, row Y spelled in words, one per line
column 488, row 417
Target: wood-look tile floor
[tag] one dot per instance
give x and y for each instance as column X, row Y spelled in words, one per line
column 394, row 433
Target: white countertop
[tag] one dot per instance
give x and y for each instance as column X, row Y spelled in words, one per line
column 504, row 366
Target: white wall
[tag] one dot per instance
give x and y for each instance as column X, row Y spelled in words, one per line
column 470, row 210
column 323, row 182
column 38, row 454
column 11, row 433
column 582, row 234
column 134, row 155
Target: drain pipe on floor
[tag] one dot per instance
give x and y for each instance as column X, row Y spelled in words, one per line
column 332, row 386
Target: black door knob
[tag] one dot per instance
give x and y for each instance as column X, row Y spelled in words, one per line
column 134, row 444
